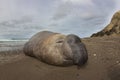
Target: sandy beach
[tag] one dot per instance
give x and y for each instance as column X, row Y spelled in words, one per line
column 103, row 64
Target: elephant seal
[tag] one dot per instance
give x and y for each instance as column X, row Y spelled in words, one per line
column 57, row 49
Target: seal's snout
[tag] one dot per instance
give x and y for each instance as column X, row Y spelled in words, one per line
column 78, row 48
column 80, row 55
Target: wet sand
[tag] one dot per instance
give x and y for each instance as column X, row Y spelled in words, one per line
column 103, row 64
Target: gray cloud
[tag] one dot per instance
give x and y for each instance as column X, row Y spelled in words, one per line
column 62, row 11
column 84, row 16
column 23, row 18
column 97, row 8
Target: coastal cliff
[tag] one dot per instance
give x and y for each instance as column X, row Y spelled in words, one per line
column 112, row 29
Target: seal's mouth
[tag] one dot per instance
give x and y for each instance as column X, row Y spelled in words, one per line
column 79, row 62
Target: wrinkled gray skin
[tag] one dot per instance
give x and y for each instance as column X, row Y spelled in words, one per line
column 79, row 52
column 72, row 48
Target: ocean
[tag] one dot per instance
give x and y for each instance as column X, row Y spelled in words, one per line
column 9, row 45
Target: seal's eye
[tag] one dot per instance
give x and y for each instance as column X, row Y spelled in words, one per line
column 59, row 41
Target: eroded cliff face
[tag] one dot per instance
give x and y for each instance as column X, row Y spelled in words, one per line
column 112, row 29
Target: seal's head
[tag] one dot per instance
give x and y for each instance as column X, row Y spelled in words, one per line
column 76, row 49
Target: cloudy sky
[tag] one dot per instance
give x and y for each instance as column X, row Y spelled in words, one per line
column 23, row 18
